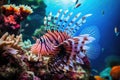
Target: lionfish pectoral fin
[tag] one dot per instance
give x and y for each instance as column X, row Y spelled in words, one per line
column 94, row 47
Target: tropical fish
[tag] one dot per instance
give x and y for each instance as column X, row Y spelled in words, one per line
column 77, row 5
column 116, row 31
column 103, row 12
column 76, row 1
column 27, row 24
column 68, row 52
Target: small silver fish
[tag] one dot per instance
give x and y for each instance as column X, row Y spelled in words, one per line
column 77, row 5
column 22, row 30
column 103, row 12
column 26, row 25
column 116, row 31
column 103, row 49
column 76, row 1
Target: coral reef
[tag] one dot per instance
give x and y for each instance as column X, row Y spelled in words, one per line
column 14, row 63
column 11, row 17
column 10, row 41
column 10, row 62
column 19, row 63
column 33, row 20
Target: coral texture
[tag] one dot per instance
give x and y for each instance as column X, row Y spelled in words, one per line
column 11, row 16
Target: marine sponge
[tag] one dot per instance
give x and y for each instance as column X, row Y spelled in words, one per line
column 115, row 73
column 11, row 16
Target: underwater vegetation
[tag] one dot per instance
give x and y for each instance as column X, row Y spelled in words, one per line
column 39, row 32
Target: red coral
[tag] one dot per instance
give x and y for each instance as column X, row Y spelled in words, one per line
column 12, row 16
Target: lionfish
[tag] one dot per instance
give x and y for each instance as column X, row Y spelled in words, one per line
column 68, row 52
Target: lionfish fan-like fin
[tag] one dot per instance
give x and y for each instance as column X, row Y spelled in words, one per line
column 92, row 31
column 71, row 53
column 78, row 23
column 94, row 51
column 94, row 47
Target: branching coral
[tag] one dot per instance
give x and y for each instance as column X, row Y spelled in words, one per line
column 15, row 62
column 11, row 16
column 10, row 62
column 10, row 41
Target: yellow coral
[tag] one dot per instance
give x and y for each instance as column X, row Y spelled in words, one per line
column 26, row 9
column 17, row 9
column 10, row 8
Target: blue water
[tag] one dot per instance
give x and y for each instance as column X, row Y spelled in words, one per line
column 106, row 16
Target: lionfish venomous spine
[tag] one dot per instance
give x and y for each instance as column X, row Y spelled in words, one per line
column 68, row 51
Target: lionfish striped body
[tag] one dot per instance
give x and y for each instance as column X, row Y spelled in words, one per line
column 68, row 51
column 45, row 45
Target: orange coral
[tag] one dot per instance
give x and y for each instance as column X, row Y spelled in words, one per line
column 11, row 9
column 115, row 72
column 98, row 78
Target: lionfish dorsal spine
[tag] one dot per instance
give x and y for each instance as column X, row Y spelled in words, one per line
column 79, row 23
column 65, row 21
column 62, row 21
column 70, row 27
column 45, row 22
